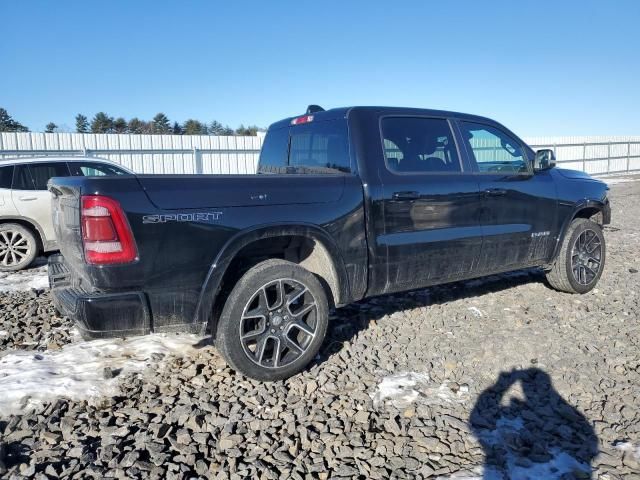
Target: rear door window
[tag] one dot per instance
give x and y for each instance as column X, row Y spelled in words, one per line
column 6, row 176
column 419, row 145
column 42, row 172
column 22, row 178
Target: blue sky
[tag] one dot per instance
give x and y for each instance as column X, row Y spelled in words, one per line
column 542, row 68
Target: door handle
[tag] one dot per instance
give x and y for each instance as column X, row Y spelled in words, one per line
column 27, row 199
column 410, row 195
column 495, row 192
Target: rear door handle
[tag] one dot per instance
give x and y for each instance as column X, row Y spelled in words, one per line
column 495, row 192
column 27, row 199
column 412, row 195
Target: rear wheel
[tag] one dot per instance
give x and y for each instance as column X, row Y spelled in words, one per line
column 580, row 262
column 18, row 247
column 274, row 321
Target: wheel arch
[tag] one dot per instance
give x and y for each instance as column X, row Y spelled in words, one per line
column 31, row 225
column 596, row 210
column 307, row 245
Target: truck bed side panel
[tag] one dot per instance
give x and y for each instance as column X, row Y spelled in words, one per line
column 178, row 246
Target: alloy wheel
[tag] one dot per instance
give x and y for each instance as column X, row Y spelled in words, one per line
column 586, row 257
column 15, row 248
column 278, row 323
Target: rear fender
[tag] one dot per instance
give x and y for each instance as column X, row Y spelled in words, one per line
column 213, row 282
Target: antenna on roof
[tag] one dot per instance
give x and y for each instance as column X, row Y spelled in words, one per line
column 314, row 108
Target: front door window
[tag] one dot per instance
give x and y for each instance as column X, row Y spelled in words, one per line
column 493, row 150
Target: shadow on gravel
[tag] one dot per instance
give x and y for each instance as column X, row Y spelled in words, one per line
column 345, row 323
column 527, row 430
column 12, row 453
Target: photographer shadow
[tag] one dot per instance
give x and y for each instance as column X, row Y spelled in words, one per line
column 537, row 436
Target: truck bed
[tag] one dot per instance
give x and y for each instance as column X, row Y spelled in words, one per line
column 187, row 226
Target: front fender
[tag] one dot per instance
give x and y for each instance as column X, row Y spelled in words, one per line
column 602, row 206
column 235, row 244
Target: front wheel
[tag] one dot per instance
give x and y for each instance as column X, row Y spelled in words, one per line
column 580, row 262
column 274, row 321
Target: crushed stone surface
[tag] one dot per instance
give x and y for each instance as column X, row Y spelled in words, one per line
column 497, row 378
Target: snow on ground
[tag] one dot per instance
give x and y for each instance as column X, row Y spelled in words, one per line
column 518, row 467
column 614, row 181
column 629, row 448
column 406, row 388
column 616, row 178
column 25, row 280
column 83, row 370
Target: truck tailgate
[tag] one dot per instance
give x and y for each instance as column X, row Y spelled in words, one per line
column 65, row 203
column 174, row 192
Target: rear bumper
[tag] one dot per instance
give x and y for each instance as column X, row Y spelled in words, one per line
column 98, row 314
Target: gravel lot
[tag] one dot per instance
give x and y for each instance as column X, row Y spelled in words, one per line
column 494, row 378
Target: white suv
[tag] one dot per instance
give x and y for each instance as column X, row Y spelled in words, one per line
column 26, row 227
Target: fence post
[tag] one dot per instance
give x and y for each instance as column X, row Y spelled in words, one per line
column 584, row 157
column 608, row 157
column 197, row 159
column 628, row 155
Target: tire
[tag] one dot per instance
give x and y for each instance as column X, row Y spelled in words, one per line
column 274, row 321
column 583, row 249
column 18, row 247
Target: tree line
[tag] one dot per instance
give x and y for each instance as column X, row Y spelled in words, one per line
column 160, row 124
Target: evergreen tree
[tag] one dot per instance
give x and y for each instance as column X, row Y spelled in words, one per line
column 250, row 131
column 227, row 131
column 120, row 125
column 136, row 125
column 161, row 124
column 8, row 124
column 102, row 123
column 194, row 127
column 50, row 128
column 216, row 128
column 177, row 129
column 82, row 124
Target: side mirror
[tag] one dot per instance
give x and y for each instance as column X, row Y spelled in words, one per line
column 544, row 160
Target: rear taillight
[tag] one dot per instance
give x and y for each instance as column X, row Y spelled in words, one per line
column 106, row 234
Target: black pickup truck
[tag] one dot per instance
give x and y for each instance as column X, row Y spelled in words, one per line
column 347, row 203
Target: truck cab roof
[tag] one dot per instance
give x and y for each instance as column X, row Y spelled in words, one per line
column 345, row 112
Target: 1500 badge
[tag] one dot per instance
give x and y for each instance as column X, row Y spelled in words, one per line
column 540, row 234
column 182, row 217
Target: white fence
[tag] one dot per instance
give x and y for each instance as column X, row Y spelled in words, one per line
column 143, row 153
column 209, row 154
column 594, row 155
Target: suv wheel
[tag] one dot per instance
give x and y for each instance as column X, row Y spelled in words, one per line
column 18, row 247
column 274, row 321
column 580, row 262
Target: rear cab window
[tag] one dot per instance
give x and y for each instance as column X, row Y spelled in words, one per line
column 316, row 147
column 94, row 169
column 274, row 156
